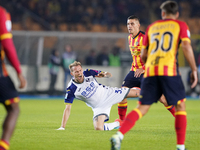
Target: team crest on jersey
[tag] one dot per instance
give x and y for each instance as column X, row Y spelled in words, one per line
column 136, row 43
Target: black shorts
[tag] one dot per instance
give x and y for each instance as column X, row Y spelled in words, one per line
column 8, row 93
column 131, row 81
column 153, row 87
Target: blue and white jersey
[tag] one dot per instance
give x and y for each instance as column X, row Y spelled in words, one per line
column 99, row 97
column 90, row 91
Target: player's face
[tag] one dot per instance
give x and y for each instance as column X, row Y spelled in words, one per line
column 77, row 73
column 133, row 26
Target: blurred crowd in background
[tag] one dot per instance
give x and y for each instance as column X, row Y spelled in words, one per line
column 96, row 16
column 81, row 15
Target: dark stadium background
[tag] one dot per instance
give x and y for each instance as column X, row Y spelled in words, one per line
column 41, row 25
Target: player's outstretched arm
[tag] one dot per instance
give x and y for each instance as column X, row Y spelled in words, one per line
column 189, row 55
column 104, row 74
column 66, row 114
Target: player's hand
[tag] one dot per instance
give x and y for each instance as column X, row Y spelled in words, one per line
column 22, row 80
column 100, row 75
column 193, row 78
column 138, row 72
column 104, row 74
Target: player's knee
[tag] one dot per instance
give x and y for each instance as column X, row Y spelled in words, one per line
column 180, row 107
column 17, row 110
column 137, row 93
column 163, row 100
column 124, row 101
column 14, row 109
column 134, row 92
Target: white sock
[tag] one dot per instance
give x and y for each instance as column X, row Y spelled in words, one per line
column 180, row 147
column 121, row 136
column 111, row 126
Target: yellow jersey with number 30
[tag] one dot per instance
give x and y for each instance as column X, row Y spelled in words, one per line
column 162, row 41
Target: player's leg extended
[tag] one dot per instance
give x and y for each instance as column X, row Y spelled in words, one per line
column 171, row 108
column 128, row 123
column 122, row 106
column 9, row 124
column 132, row 117
column 100, row 125
column 122, row 109
column 180, row 124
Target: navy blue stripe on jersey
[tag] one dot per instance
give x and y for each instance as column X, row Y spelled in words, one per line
column 90, row 72
column 69, row 97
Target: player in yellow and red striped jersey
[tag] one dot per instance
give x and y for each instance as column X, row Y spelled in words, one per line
column 8, row 94
column 134, row 77
column 160, row 52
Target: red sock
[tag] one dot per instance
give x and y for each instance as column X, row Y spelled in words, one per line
column 4, row 145
column 122, row 108
column 180, row 126
column 171, row 109
column 130, row 120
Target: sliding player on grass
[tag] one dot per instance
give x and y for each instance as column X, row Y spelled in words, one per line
column 100, row 98
column 134, row 77
column 162, row 76
column 8, row 94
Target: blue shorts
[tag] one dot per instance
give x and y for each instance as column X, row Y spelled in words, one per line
column 131, row 81
column 153, row 87
column 7, row 89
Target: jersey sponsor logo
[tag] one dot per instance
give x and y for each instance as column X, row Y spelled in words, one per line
column 188, row 33
column 89, row 91
column 8, row 25
column 156, row 61
column 67, row 91
column 135, row 52
column 66, row 95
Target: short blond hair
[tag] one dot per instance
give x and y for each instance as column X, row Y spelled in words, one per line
column 75, row 63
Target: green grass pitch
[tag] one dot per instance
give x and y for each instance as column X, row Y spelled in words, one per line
column 39, row 119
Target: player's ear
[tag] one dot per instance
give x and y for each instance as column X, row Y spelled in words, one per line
column 177, row 15
column 71, row 73
column 163, row 14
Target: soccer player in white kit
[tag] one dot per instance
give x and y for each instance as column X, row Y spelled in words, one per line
column 100, row 98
